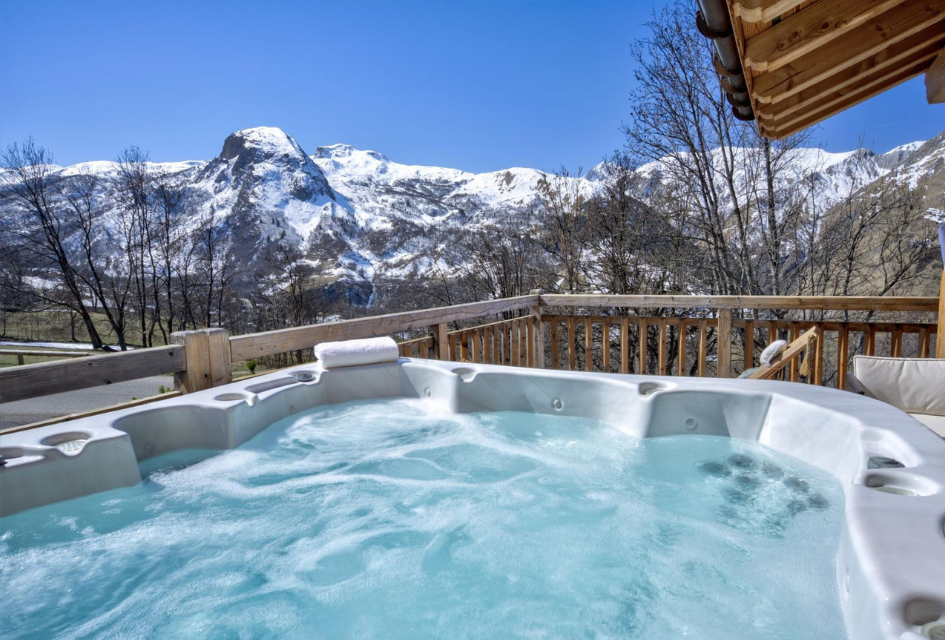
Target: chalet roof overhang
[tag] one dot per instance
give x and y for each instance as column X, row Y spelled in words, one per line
column 788, row 64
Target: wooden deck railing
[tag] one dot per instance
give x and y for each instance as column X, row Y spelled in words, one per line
column 665, row 335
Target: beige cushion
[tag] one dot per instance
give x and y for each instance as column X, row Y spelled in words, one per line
column 915, row 385
column 935, row 423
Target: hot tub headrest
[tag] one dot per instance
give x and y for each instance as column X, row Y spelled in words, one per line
column 351, row 353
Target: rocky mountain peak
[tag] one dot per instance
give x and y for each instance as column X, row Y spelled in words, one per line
column 261, row 144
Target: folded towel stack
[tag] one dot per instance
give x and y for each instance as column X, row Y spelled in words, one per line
column 350, row 353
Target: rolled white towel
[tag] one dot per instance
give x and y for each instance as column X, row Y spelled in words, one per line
column 771, row 351
column 350, row 353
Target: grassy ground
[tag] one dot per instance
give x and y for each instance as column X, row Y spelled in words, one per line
column 50, row 326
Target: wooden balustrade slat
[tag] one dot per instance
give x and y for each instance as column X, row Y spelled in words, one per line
column 513, row 341
column 661, row 347
column 843, row 354
column 534, row 330
column 588, row 345
column 794, row 371
column 523, row 346
column 724, row 344
column 571, row 346
column 498, row 342
column 644, row 347
column 924, row 345
column 624, row 345
column 749, row 356
column 819, row 357
column 528, row 342
column 554, row 343
column 605, row 344
column 703, row 345
column 503, row 345
column 681, row 349
column 897, row 343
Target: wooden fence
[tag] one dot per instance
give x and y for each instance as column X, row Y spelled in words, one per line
column 620, row 334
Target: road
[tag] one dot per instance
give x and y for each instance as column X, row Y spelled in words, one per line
column 13, row 414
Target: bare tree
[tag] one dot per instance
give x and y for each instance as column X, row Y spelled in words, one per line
column 32, row 186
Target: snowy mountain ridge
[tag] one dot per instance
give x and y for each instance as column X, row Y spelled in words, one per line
column 358, row 215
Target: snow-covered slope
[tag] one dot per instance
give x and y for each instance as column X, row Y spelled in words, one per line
column 358, row 215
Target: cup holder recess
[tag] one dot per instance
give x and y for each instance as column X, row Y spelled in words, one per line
column 649, row 388
column 883, row 462
column 230, row 397
column 900, row 484
column 70, row 442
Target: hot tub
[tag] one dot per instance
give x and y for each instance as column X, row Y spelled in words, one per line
column 888, row 573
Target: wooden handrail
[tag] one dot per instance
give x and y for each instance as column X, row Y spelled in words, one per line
column 282, row 340
column 788, row 356
column 46, row 378
column 821, row 303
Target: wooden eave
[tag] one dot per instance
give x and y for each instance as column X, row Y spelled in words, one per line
column 806, row 60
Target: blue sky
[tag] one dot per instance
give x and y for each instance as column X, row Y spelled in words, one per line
column 475, row 85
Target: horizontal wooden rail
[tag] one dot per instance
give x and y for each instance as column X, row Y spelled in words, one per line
column 21, row 354
column 45, row 354
column 828, row 303
column 282, row 340
column 46, row 378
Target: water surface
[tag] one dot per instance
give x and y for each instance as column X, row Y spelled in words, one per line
column 393, row 520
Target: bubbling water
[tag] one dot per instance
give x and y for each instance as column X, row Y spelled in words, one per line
column 393, row 520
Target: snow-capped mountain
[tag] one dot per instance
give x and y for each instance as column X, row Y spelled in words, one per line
column 358, row 215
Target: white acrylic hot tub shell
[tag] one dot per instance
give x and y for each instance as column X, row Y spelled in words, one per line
column 891, row 564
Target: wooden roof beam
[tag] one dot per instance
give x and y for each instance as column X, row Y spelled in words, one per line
column 841, row 103
column 808, row 29
column 762, row 10
column 849, row 49
column 935, row 85
column 905, row 53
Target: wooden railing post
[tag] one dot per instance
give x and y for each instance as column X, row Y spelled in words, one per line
column 940, row 335
column 724, row 344
column 441, row 341
column 207, row 354
column 538, row 343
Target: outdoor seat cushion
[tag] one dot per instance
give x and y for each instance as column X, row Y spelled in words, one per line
column 915, row 385
column 935, row 423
